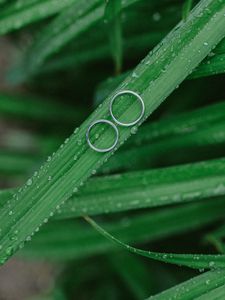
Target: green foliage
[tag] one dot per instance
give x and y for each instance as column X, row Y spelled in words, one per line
column 161, row 188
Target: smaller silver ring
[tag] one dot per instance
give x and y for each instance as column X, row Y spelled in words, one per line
column 104, row 149
column 142, row 108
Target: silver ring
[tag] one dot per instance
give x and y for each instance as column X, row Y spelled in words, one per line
column 140, row 100
column 104, row 149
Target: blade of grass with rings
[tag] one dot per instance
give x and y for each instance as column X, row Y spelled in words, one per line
column 68, row 239
column 196, row 261
column 157, row 76
column 199, row 287
column 21, row 13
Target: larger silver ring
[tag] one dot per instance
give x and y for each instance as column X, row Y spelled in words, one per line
column 102, row 149
column 140, row 100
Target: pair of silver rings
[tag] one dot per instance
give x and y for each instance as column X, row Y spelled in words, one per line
column 115, row 120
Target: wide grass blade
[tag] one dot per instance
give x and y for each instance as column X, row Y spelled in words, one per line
column 200, row 287
column 155, row 78
column 135, row 190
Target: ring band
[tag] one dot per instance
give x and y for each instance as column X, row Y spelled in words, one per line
column 142, row 108
column 102, row 149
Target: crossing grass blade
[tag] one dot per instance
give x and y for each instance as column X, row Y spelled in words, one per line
column 204, row 286
column 196, row 261
column 68, row 239
column 156, row 77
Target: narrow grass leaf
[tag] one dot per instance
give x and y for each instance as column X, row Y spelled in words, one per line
column 63, row 240
column 114, row 25
column 196, row 261
column 186, row 9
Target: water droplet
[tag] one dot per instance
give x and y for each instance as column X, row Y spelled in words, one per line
column 134, row 130
column 211, row 264
column 134, row 75
column 29, row 182
column 75, row 190
column 93, row 172
column 49, row 178
column 156, row 16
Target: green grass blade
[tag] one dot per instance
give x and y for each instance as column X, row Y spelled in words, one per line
column 137, row 190
column 186, row 8
column 113, row 20
column 195, row 261
column 63, row 240
column 157, row 76
column 155, row 188
column 91, row 14
column 80, row 17
column 196, row 287
column 216, row 294
column 212, row 66
column 34, row 108
column 21, row 13
column 149, row 154
column 193, row 121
